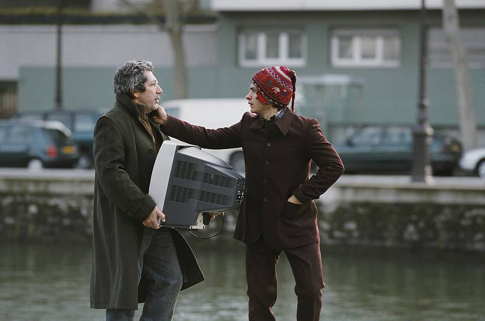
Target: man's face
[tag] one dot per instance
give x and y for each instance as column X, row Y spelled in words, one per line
column 256, row 106
column 150, row 97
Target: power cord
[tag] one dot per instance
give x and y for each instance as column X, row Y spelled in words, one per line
column 209, row 237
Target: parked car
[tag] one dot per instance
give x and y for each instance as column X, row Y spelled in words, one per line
column 213, row 113
column 390, row 150
column 80, row 122
column 473, row 162
column 36, row 144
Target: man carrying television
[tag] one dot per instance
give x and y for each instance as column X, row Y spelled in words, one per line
column 134, row 259
column 278, row 213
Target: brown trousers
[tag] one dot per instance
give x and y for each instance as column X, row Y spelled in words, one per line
column 306, row 265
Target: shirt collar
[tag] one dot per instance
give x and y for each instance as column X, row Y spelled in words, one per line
column 280, row 113
column 273, row 118
column 282, row 121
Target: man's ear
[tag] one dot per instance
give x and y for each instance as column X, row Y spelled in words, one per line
column 134, row 93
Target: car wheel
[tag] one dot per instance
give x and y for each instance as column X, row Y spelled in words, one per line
column 237, row 162
column 481, row 169
column 35, row 164
column 84, row 162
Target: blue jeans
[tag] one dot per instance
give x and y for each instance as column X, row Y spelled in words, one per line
column 159, row 264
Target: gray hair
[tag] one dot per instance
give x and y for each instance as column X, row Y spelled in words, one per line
column 131, row 77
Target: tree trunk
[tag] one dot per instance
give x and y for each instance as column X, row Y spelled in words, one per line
column 174, row 25
column 460, row 66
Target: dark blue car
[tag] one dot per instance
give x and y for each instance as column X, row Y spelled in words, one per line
column 80, row 122
column 36, row 144
column 384, row 150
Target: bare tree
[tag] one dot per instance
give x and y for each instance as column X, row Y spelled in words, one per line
column 176, row 12
column 460, row 66
column 174, row 23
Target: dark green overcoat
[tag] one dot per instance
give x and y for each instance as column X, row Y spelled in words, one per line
column 124, row 155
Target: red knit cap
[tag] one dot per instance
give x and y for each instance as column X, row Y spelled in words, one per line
column 276, row 86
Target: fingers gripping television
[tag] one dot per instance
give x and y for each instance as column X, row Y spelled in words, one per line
column 188, row 183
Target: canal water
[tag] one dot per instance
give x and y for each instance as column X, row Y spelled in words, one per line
column 50, row 282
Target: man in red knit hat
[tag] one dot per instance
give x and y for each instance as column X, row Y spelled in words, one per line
column 278, row 213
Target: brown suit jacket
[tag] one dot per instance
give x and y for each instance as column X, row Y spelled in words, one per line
column 277, row 158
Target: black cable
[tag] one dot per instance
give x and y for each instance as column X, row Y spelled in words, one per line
column 209, row 237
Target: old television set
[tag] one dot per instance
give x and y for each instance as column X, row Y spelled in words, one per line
column 188, row 184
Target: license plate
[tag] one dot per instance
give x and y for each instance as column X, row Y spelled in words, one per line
column 456, row 148
column 68, row 149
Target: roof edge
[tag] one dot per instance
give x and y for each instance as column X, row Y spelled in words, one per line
column 336, row 5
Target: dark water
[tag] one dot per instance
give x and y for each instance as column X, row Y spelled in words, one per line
column 50, row 282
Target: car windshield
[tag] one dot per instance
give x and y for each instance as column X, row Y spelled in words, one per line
column 63, row 118
column 397, row 136
column 57, row 135
column 367, row 136
column 84, row 123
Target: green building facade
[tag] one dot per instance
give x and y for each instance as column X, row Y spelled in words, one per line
column 377, row 51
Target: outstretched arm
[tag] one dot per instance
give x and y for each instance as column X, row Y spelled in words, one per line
column 226, row 137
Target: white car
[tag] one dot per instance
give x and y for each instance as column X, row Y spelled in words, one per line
column 473, row 161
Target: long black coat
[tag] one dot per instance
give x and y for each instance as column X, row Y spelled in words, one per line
column 124, row 155
column 277, row 160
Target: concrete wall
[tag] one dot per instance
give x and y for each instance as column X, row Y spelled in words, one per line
column 90, row 57
column 387, row 212
column 92, row 87
column 100, row 46
column 50, row 205
column 390, row 211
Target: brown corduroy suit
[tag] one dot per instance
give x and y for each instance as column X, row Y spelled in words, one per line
column 277, row 157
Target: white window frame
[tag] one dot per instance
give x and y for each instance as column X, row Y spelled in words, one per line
column 261, row 59
column 357, row 60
